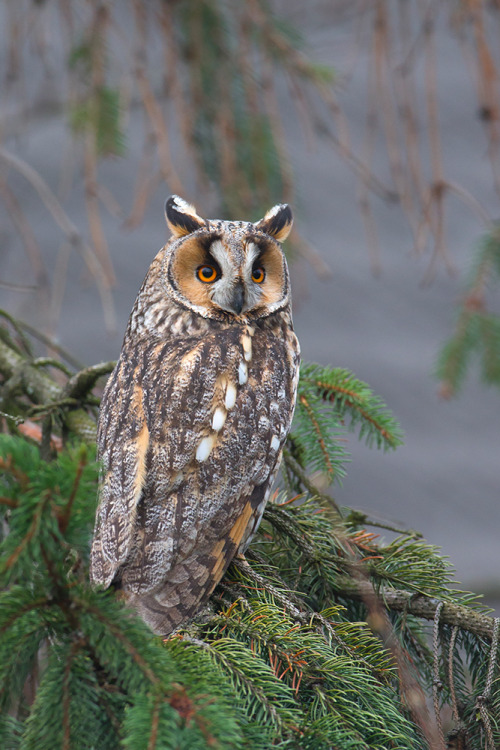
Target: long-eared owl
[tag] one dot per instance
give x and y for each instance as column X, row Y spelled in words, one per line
column 195, row 414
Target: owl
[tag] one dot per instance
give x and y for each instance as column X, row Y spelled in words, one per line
column 195, row 414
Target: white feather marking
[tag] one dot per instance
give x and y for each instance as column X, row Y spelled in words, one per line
column 273, row 211
column 205, row 448
column 183, row 206
column 218, row 419
column 275, row 443
column 230, row 398
column 242, row 373
column 246, row 343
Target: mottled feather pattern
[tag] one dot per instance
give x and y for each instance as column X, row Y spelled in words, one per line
column 191, row 429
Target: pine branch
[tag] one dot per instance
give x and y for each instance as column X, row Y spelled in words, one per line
column 281, row 662
column 352, row 399
column 477, row 331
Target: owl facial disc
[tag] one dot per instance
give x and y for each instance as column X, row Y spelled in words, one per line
column 220, row 268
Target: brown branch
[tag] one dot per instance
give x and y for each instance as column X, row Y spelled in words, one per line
column 419, row 606
column 47, row 340
column 35, row 523
column 146, row 181
column 68, row 228
column 31, row 247
column 8, row 500
column 411, row 691
column 92, row 204
column 155, row 720
column 151, row 106
column 435, row 147
column 7, row 465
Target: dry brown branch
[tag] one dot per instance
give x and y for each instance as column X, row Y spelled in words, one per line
column 59, row 285
column 172, row 54
column 31, row 246
column 278, row 131
column 145, row 182
column 69, row 230
column 364, row 186
column 48, row 341
column 92, row 204
column 411, row 691
column 382, row 91
column 151, row 106
column 311, row 255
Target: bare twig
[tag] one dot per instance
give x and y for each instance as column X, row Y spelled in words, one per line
column 68, row 228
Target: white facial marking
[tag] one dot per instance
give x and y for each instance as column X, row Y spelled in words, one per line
column 205, row 448
column 242, row 373
column 218, row 418
column 275, row 443
column 252, row 253
column 220, row 255
column 230, row 398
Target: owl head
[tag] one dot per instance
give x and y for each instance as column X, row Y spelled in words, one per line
column 224, row 268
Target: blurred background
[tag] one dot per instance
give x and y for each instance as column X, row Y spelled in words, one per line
column 377, row 121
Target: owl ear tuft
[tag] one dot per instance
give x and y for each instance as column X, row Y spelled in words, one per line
column 277, row 222
column 181, row 217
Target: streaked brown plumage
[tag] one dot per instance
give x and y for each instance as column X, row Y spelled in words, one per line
column 195, row 414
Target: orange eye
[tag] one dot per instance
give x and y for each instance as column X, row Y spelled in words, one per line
column 258, row 275
column 206, row 273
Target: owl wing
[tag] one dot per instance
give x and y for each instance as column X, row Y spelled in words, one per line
column 123, row 444
column 137, row 440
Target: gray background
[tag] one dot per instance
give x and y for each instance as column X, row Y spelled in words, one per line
column 386, row 329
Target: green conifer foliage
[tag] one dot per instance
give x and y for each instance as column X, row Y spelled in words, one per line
column 477, row 330
column 320, row 638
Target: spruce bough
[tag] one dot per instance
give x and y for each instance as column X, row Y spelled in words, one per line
column 318, row 639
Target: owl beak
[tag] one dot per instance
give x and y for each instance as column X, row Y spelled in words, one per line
column 238, row 298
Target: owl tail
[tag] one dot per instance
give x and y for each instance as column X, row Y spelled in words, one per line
column 187, row 586
column 180, row 596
